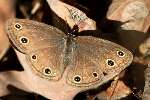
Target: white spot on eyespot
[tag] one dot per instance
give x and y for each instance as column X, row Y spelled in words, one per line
column 120, row 53
column 110, row 62
column 34, row 57
column 47, row 71
column 77, row 78
column 24, row 40
column 18, row 26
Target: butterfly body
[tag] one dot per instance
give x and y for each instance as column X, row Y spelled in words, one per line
column 89, row 61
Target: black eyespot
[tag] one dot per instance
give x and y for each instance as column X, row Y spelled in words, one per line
column 120, row 53
column 18, row 26
column 33, row 56
column 104, row 73
column 95, row 74
column 110, row 62
column 47, row 71
column 24, row 40
column 77, row 78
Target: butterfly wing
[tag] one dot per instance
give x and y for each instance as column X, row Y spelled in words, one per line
column 42, row 44
column 47, row 62
column 28, row 35
column 95, row 61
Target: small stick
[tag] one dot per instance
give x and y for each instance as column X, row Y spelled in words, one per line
column 114, row 84
column 146, row 93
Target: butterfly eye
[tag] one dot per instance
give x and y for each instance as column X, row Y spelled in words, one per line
column 120, row 53
column 110, row 63
column 24, row 40
column 47, row 71
column 77, row 78
column 95, row 74
column 17, row 26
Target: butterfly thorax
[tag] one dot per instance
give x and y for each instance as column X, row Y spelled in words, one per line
column 70, row 45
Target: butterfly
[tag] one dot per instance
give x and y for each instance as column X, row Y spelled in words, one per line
column 88, row 61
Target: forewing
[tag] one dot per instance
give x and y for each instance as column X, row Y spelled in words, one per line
column 42, row 44
column 27, row 35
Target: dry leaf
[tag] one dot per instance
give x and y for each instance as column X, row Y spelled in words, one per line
column 5, row 13
column 121, row 90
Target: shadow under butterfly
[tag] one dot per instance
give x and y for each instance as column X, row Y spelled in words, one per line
column 88, row 61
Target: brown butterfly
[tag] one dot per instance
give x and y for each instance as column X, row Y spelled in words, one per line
column 89, row 61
